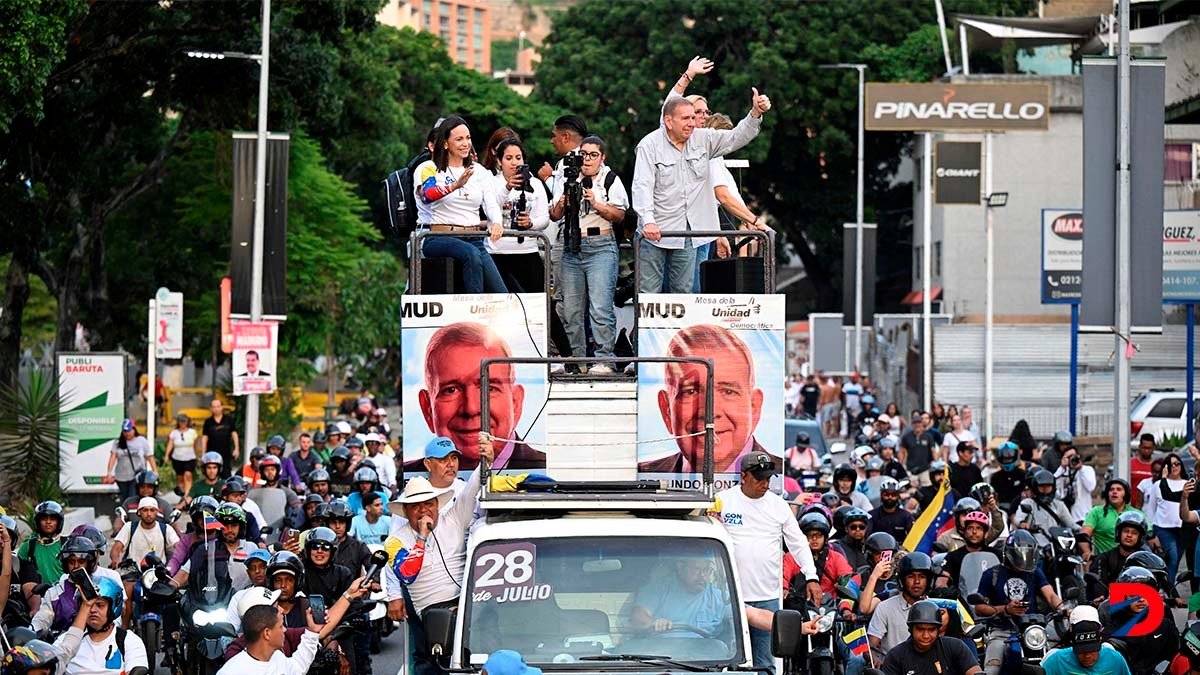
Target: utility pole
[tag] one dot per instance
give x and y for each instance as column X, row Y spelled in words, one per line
column 260, row 185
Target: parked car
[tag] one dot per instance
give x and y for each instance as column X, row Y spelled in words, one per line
column 1160, row 412
column 791, row 427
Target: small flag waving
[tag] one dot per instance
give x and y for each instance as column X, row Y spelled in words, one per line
column 856, row 640
column 211, row 524
column 938, row 515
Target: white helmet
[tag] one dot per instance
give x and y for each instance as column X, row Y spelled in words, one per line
column 860, row 455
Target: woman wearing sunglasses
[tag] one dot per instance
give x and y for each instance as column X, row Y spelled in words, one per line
column 1162, row 505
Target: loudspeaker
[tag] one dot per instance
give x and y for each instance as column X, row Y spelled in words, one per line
column 733, row 275
column 440, row 276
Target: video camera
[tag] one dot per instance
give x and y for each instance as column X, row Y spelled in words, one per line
column 521, row 204
column 572, row 167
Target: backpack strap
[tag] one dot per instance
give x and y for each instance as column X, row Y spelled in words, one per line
column 121, row 635
column 609, row 179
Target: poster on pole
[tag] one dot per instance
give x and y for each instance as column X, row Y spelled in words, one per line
column 744, row 336
column 91, row 394
column 443, row 338
column 255, row 354
column 168, row 329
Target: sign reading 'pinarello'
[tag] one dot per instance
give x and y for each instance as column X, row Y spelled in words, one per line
column 957, row 107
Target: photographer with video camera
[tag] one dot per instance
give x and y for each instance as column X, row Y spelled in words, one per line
column 523, row 206
column 1075, row 482
column 590, row 200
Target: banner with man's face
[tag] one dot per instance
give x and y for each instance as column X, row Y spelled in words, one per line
column 443, row 339
column 255, row 351
column 744, row 337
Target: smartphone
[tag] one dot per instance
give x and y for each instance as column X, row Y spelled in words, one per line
column 84, row 583
column 317, row 604
column 885, row 556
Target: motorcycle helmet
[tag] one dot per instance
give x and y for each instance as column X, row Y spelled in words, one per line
column 1190, row 645
column 320, row 537
column 831, row 500
column 211, row 458
column 1118, row 481
column 331, row 429
column 276, row 441
column 1132, row 574
column 21, row 635
column 79, row 547
column 354, row 442
column 13, row 534
column 1132, row 519
column 855, row 515
column 1039, row 479
column 818, row 509
column 367, row 463
column 961, row 508
column 982, row 517
column 839, row 517
column 340, row 453
column 116, row 596
column 803, row 439
column 860, row 439
column 937, row 466
column 317, row 476
column 889, row 484
column 868, row 400
column 844, row 472
column 924, row 612
column 92, row 534
column 366, row 475
column 258, row 453
column 49, row 509
column 879, row 542
column 916, row 562
column 1007, row 455
column 33, row 655
column 146, row 477
column 313, row 499
column 1149, row 561
column 983, row 492
column 814, row 522
column 270, row 460
column 201, row 506
column 1063, row 438
column 1021, row 551
column 319, row 437
column 875, row 464
column 319, row 515
column 859, row 457
column 338, row 509
column 229, row 513
column 286, row 562
column 233, row 485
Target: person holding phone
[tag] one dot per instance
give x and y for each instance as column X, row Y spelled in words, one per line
column 1011, row 589
column 78, row 556
column 455, row 191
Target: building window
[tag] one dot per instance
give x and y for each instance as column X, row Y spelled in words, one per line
column 478, row 58
column 1179, row 163
column 462, row 54
column 478, row 17
column 478, row 42
column 427, row 8
column 444, row 9
column 917, row 263
column 937, row 259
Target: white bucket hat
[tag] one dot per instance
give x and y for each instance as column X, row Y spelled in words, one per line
column 418, row 490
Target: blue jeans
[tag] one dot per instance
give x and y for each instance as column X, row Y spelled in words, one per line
column 479, row 270
column 1171, row 539
column 760, row 640
column 678, row 265
column 702, row 253
column 590, row 276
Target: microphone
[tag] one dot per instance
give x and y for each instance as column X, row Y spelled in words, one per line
column 378, row 560
column 587, row 182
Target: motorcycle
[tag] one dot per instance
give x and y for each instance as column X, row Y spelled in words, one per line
column 1027, row 645
column 153, row 597
column 205, row 623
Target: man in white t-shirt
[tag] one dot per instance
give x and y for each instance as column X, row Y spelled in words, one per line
column 852, row 392
column 106, row 649
column 148, row 534
column 756, row 519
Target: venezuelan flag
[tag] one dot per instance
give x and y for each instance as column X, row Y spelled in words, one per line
column 937, row 518
column 856, row 640
column 211, row 524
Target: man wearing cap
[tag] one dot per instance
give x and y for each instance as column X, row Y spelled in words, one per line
column 442, row 461
column 450, row 400
column 257, row 593
column 925, row 651
column 147, row 535
column 439, row 538
column 385, row 467
column 756, row 519
column 1088, row 653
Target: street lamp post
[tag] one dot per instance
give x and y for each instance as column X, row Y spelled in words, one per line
column 260, row 180
column 858, row 214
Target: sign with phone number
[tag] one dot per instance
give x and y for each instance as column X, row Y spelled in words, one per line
column 1062, row 256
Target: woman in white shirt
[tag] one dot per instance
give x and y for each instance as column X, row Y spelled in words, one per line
column 181, row 452
column 1162, row 507
column 955, row 435
column 455, row 189
column 523, row 206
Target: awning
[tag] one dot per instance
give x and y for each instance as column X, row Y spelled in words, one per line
column 918, row 297
column 989, row 32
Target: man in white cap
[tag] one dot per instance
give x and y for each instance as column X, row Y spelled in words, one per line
column 508, row 662
column 426, row 533
column 148, row 534
column 1087, row 652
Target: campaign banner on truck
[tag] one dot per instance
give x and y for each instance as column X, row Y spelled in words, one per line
column 91, row 394
column 255, row 353
column 744, row 337
column 443, row 339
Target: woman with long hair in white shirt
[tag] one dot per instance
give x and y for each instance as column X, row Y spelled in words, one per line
column 455, row 190
column 523, row 206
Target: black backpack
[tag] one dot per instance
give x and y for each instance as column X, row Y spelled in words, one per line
column 400, row 199
column 623, row 230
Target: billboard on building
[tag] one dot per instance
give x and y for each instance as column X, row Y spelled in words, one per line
column 893, row 106
column 443, row 338
column 957, row 172
column 91, row 393
column 744, row 336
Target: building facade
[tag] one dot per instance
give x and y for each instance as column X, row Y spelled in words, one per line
column 464, row 25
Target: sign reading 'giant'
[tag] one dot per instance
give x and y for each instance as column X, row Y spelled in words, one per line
column 957, row 107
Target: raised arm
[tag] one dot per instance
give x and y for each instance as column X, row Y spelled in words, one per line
column 698, row 66
column 721, row 143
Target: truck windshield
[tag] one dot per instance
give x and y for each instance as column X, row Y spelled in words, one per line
column 557, row 600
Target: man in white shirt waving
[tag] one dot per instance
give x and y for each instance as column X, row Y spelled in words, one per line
column 755, row 520
column 264, row 630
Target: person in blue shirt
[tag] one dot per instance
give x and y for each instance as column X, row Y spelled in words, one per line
column 371, row 526
column 1010, row 590
column 366, row 481
column 684, row 595
column 1087, row 653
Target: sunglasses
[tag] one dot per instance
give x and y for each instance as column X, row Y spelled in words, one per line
column 856, row 527
column 321, row 546
column 1174, row 463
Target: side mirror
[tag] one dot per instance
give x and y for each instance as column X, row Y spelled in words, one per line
column 1026, row 507
column 976, row 599
column 786, row 634
column 140, row 670
column 1073, row 593
column 976, row 631
column 439, row 630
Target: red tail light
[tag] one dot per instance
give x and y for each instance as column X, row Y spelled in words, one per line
column 1135, row 428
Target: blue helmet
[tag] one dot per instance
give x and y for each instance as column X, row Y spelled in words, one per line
column 116, row 596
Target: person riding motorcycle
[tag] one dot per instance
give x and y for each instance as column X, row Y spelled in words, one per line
column 61, row 602
column 888, row 627
column 1131, row 537
column 870, row 484
column 366, row 479
column 845, row 482
column 234, row 491
column 1009, row 481
column 287, row 469
column 351, row 553
column 892, row 466
column 24, row 579
column 41, row 550
column 832, row 567
column 954, row 539
column 107, row 649
column 341, row 471
column 890, row 517
column 1043, row 511
column 269, row 469
column 874, row 582
column 201, row 506
column 318, row 484
column 926, row 650
column 1009, row 590
column 801, row 458
column 926, row 493
column 209, row 482
column 285, row 573
column 229, row 553
column 853, row 538
column 1144, row 653
column 310, row 503
column 974, row 526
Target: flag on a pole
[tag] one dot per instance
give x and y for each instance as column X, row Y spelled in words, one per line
column 929, row 525
column 211, row 524
column 857, row 641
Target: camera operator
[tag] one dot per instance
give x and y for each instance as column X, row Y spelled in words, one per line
column 523, row 207
column 1075, row 482
column 590, row 200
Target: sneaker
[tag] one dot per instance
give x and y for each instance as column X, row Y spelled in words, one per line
column 600, row 369
column 631, row 369
column 557, row 369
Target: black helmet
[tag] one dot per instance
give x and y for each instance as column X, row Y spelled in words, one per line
column 916, row 562
column 93, row 534
column 1131, row 519
column 844, row 471
column 33, row 655
column 320, row 513
column 839, row 517
column 286, row 562
column 1150, row 561
column 1021, row 551
column 313, row 499
column 966, row 505
column 354, row 442
column 924, row 612
column 814, row 522
column 317, row 476
column 1039, row 479
column 1063, row 437
column 1190, row 645
column 1132, row 574
column 320, row 536
column 319, row 437
column 1118, row 481
column 332, row 430
column 855, row 514
column 982, row 492
column 831, row 500
column 79, row 547
column 146, row 477
column 276, row 441
column 258, row 452
column 367, row 463
column 878, row 542
column 338, row 509
column 233, row 485
column 202, row 505
column 802, row 438
column 49, row 509
column 340, row 452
